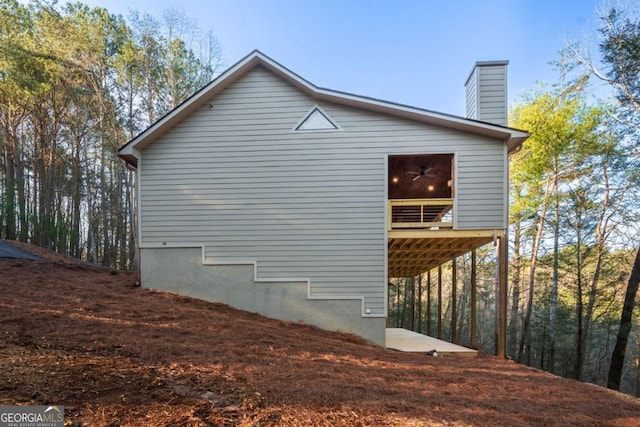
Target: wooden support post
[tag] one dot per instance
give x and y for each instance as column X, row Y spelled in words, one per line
column 404, row 303
column 502, row 297
column 428, row 319
column 440, row 302
column 398, row 306
column 474, row 338
column 413, row 304
column 454, row 296
column 389, row 300
column 420, row 303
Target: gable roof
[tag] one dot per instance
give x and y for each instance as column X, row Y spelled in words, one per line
column 512, row 137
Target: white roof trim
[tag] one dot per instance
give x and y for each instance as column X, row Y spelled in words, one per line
column 129, row 152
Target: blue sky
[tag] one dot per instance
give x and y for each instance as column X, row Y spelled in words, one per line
column 415, row 52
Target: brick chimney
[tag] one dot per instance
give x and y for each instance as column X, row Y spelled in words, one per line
column 486, row 89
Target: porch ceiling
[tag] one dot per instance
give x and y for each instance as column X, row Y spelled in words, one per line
column 410, row 256
column 406, row 183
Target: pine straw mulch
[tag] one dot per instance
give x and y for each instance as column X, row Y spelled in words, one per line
column 115, row 355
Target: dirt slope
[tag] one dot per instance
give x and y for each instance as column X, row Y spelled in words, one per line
column 117, row 355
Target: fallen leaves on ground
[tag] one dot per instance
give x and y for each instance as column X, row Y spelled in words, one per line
column 116, row 355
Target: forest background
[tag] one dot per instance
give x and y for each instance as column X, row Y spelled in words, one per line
column 77, row 82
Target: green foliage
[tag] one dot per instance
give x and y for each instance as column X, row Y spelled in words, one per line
column 620, row 48
column 560, row 126
column 573, row 179
column 75, row 83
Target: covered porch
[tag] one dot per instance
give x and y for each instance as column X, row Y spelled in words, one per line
column 423, row 235
column 413, row 252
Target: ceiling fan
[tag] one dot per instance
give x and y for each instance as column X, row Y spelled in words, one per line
column 423, row 173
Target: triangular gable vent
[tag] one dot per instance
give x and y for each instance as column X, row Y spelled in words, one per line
column 316, row 120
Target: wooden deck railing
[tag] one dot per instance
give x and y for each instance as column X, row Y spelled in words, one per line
column 420, row 213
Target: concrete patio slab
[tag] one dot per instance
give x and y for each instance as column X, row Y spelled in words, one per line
column 405, row 340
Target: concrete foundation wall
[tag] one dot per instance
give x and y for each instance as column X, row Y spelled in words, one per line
column 181, row 270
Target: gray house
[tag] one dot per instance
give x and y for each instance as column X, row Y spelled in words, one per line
column 275, row 196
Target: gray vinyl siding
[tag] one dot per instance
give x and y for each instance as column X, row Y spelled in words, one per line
column 486, row 91
column 480, row 190
column 471, row 94
column 236, row 178
column 492, row 102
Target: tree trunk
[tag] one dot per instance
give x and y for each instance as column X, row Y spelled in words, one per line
column 515, row 292
column 617, row 357
column 428, row 313
column 454, row 297
column 463, row 301
column 580, row 343
column 104, row 204
column 532, row 274
column 440, row 302
column 600, row 229
column 74, row 244
column 49, row 210
column 9, row 213
column 553, row 303
column 133, row 221
column 20, row 188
